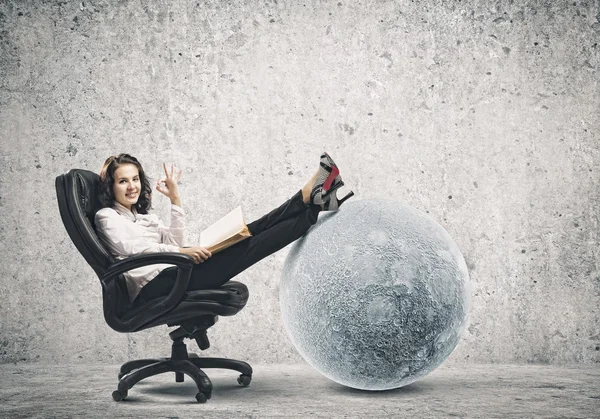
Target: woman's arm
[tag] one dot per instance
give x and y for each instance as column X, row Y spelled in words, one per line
column 169, row 189
column 175, row 200
column 168, row 186
column 174, row 233
column 118, row 236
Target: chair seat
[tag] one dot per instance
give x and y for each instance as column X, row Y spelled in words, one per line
column 225, row 301
column 231, row 293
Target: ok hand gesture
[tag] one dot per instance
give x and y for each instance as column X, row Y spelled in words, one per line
column 168, row 185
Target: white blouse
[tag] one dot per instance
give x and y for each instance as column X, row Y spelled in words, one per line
column 126, row 233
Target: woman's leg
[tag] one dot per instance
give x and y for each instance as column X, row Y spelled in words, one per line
column 223, row 266
column 290, row 208
column 159, row 286
column 284, row 225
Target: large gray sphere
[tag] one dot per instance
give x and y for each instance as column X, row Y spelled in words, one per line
column 375, row 295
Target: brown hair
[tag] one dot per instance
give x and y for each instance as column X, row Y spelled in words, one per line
column 107, row 180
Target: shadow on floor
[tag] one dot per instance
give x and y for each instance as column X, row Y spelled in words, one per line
column 411, row 389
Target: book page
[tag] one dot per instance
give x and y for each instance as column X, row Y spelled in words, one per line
column 223, row 229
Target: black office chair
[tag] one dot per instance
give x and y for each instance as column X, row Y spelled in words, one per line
column 194, row 311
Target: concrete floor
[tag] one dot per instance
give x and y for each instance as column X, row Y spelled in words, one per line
column 469, row 391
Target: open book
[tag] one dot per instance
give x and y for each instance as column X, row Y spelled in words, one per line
column 226, row 232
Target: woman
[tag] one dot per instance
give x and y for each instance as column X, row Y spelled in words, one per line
column 126, row 228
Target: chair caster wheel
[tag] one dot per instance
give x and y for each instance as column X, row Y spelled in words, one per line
column 119, row 395
column 121, row 375
column 201, row 398
column 244, row 380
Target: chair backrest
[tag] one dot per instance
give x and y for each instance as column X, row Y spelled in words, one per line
column 78, row 195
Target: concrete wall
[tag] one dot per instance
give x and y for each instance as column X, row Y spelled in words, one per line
column 485, row 114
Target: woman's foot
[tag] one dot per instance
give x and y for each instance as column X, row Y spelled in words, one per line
column 328, row 180
column 310, row 185
column 306, row 189
column 328, row 175
column 321, row 188
column 329, row 165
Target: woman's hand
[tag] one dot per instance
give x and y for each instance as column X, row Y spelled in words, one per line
column 169, row 189
column 200, row 254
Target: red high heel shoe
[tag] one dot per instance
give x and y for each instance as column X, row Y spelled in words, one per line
column 328, row 179
column 329, row 165
column 331, row 203
column 319, row 197
column 328, row 201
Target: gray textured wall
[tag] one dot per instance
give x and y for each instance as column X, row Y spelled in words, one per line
column 484, row 114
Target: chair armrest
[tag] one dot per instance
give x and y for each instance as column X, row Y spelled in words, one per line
column 145, row 259
column 164, row 305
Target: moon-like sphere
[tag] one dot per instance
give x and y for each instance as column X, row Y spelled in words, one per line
column 375, row 295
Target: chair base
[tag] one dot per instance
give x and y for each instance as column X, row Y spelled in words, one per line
column 180, row 363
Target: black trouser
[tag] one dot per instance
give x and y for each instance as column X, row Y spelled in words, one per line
column 270, row 233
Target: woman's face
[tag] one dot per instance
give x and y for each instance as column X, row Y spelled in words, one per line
column 127, row 186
